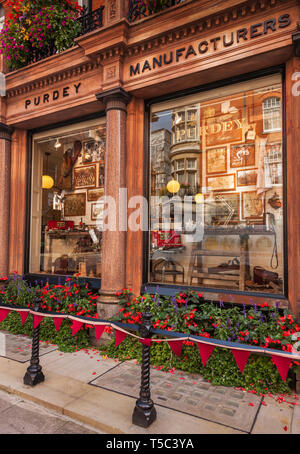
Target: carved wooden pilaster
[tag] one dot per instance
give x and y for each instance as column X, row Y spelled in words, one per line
column 5, row 170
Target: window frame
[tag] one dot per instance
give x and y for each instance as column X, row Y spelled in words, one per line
column 169, row 289
column 94, row 283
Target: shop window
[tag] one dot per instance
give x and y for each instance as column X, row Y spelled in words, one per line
column 271, row 114
column 86, row 4
column 2, row 17
column 220, row 223
column 67, row 185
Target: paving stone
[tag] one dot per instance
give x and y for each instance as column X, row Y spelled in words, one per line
column 203, row 386
column 220, row 391
column 158, row 391
column 175, row 396
column 181, row 389
column 227, row 411
column 236, row 395
column 231, row 403
column 195, row 399
column 209, row 407
column 197, row 394
column 163, row 398
column 192, row 402
column 213, row 398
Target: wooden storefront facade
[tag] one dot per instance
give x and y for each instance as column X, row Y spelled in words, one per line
column 116, row 74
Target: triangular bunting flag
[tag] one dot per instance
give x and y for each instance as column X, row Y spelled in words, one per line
column 57, row 323
column 176, row 347
column 99, row 331
column 120, row 336
column 241, row 358
column 76, row 326
column 146, row 342
column 205, row 351
column 23, row 315
column 282, row 364
column 37, row 320
column 3, row 314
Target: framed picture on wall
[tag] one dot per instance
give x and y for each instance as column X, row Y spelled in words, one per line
column 75, row 204
column 221, row 182
column 222, row 209
column 97, row 211
column 101, row 174
column 216, row 160
column 247, row 177
column 252, row 205
column 242, row 155
column 93, row 151
column 85, row 177
column 94, row 194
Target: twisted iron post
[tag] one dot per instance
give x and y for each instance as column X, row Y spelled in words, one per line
column 144, row 412
column 34, row 374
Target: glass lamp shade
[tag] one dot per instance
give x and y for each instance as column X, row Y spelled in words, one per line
column 173, row 186
column 47, row 182
column 199, row 198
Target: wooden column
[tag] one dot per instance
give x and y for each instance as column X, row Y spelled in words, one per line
column 293, row 191
column 135, row 184
column 5, row 159
column 114, row 241
column 18, row 200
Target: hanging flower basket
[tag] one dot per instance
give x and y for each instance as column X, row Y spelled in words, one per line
column 37, row 29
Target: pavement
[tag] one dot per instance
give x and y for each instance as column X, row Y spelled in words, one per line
column 86, row 392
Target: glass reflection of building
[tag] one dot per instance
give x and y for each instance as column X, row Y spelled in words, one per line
column 185, row 148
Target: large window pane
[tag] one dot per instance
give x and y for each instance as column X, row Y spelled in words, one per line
column 218, row 221
column 67, row 186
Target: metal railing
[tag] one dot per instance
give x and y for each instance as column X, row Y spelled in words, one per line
column 138, row 9
column 89, row 22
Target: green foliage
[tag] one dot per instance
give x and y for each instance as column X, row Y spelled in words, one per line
column 259, row 375
column 261, row 325
column 69, row 298
column 185, row 312
column 35, row 25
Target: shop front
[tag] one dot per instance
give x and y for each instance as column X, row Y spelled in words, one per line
column 186, row 125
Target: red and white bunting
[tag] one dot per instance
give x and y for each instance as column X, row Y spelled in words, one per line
column 57, row 323
column 99, row 330
column 176, row 347
column 76, row 325
column 146, row 342
column 119, row 337
column 205, row 351
column 3, row 314
column 283, row 365
column 23, row 316
column 37, row 320
column 241, row 358
column 282, row 359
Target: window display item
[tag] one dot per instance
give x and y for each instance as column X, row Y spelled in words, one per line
column 69, row 158
column 264, row 277
column 74, row 204
column 64, row 265
column 60, row 225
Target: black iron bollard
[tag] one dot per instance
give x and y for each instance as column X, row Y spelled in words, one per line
column 34, row 374
column 144, row 412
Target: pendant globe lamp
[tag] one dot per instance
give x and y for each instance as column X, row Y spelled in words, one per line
column 47, row 180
